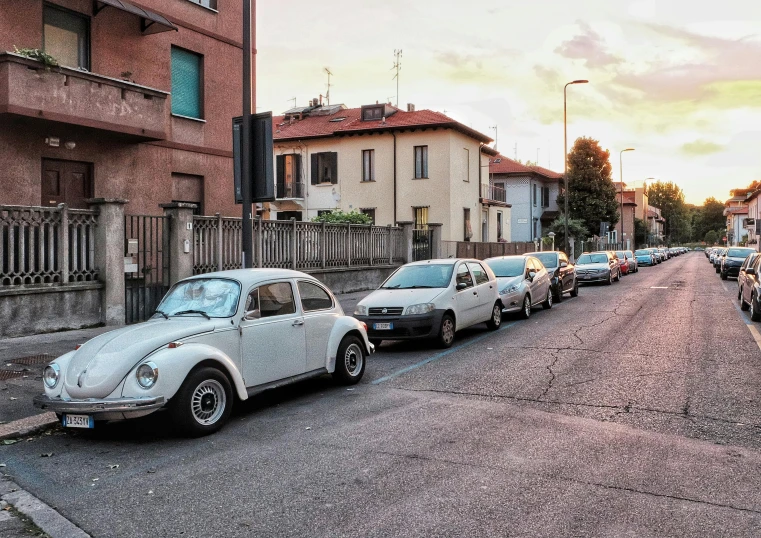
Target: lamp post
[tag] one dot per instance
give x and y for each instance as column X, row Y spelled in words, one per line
column 565, row 154
column 552, row 234
column 621, row 177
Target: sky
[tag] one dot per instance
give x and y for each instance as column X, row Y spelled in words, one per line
column 677, row 80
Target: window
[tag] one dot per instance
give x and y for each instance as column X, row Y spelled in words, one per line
column 478, row 273
column 272, row 300
column 211, row 4
column 463, row 276
column 187, row 94
column 499, row 225
column 468, row 229
column 534, row 194
column 321, row 212
column 313, row 297
column 289, row 183
column 288, row 215
column 466, row 176
column 66, row 36
column 368, row 165
column 370, row 212
column 421, row 162
column 545, row 197
column 324, row 168
column 421, row 218
column 372, row 113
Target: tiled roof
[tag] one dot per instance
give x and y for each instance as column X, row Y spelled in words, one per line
column 629, row 198
column 320, row 126
column 509, row 166
column 546, row 172
column 736, row 210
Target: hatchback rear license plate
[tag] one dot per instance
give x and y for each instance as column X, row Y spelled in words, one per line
column 78, row 421
column 383, row 326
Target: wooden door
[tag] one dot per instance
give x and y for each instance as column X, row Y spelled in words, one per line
column 66, row 182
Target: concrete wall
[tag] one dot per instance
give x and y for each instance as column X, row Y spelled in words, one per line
column 351, row 280
column 33, row 310
column 140, row 172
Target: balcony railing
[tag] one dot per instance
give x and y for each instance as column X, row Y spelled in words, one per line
column 75, row 97
column 290, row 190
column 494, row 193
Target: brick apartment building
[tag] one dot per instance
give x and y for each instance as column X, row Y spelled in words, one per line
column 139, row 109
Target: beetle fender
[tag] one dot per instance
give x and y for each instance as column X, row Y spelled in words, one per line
column 63, row 364
column 174, row 365
column 344, row 325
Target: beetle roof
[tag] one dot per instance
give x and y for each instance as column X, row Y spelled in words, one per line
column 251, row 276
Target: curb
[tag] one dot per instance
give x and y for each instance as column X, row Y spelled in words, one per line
column 28, row 426
column 48, row 520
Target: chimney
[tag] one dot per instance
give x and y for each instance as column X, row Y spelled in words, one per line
column 320, row 99
column 315, row 101
column 410, row 107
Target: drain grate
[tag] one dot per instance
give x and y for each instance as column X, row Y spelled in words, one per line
column 33, row 359
column 11, row 374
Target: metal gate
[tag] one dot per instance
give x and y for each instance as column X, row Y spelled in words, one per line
column 422, row 244
column 146, row 278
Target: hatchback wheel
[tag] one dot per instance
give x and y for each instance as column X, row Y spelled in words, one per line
column 495, row 321
column 740, row 293
column 610, row 279
column 446, row 331
column 723, row 275
column 743, row 305
column 575, row 289
column 559, row 295
column 526, row 310
column 547, row 304
column 203, row 403
column 755, row 315
column 350, row 361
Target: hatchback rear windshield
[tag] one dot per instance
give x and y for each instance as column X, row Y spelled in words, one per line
column 591, row 258
column 507, row 267
column 548, row 259
column 740, row 252
column 642, row 253
column 434, row 275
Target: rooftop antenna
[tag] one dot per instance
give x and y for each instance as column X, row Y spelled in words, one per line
column 398, row 67
column 537, row 156
column 516, row 151
column 496, row 135
column 327, row 95
column 291, row 99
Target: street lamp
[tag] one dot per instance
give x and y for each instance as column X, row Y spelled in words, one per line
column 552, row 234
column 565, row 154
column 621, row 176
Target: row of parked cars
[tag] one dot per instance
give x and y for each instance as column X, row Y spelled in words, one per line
column 745, row 264
column 226, row 336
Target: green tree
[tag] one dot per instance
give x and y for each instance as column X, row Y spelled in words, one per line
column 577, row 229
column 670, row 199
column 592, row 196
column 711, row 237
column 343, row 217
column 710, row 217
column 640, row 232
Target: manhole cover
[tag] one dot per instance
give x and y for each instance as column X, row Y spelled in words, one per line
column 33, row 359
column 10, row 374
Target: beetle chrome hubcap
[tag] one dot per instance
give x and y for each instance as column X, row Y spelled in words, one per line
column 353, row 359
column 208, row 402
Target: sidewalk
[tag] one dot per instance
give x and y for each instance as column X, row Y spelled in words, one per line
column 22, row 360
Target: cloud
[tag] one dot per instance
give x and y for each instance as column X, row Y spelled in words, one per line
column 588, row 46
column 701, row 147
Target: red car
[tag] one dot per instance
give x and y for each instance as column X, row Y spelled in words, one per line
column 624, row 264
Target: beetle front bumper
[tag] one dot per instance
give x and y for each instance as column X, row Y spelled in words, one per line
column 105, row 408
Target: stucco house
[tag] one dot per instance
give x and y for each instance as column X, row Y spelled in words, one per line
column 394, row 165
column 532, row 192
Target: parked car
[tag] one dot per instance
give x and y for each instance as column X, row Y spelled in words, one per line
column 741, row 275
column 432, row 299
column 644, row 257
column 751, row 290
column 717, row 259
column 523, row 281
column 598, row 267
column 657, row 255
column 562, row 273
column 731, row 262
column 213, row 338
column 632, row 259
column 623, row 259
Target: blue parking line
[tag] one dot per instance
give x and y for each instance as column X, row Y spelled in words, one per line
column 439, row 355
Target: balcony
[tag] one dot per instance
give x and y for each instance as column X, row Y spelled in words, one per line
column 493, row 195
column 75, row 97
column 290, row 191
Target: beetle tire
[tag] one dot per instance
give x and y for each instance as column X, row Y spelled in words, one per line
column 351, row 360
column 181, row 405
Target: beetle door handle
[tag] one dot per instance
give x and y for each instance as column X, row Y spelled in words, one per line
column 298, row 322
column 475, row 293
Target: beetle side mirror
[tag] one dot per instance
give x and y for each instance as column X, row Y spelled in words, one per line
column 461, row 286
column 252, row 315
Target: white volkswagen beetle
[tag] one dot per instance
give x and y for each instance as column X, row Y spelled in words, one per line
column 214, row 337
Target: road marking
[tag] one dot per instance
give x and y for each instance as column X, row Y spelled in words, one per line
column 723, row 285
column 659, row 287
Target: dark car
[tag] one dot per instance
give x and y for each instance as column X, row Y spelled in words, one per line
column 598, row 267
column 731, row 262
column 562, row 273
column 741, row 276
column 751, row 290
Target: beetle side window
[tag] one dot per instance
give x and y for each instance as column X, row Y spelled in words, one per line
column 463, row 276
column 274, row 299
column 313, row 297
column 478, row 273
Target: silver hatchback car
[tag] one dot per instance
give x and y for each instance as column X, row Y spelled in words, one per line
column 523, row 282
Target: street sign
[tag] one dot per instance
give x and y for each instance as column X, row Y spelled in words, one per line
column 724, row 238
column 262, row 158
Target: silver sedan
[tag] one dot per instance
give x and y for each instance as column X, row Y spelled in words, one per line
column 523, row 283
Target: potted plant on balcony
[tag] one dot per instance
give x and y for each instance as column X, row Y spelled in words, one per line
column 37, row 55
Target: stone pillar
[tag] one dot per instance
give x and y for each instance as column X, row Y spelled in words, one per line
column 180, row 239
column 407, row 226
column 109, row 257
column 436, row 246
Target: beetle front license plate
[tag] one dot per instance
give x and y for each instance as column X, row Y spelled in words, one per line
column 383, row 326
column 78, row 421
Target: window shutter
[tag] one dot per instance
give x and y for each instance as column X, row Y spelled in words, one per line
column 186, row 83
column 280, row 181
column 297, row 168
column 315, row 169
column 333, row 164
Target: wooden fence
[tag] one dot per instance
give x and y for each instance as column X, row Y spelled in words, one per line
column 46, row 245
column 481, row 251
column 294, row 244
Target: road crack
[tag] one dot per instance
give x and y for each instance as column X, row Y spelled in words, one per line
column 555, row 359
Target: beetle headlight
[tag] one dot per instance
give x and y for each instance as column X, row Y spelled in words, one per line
column 360, row 310
column 423, row 308
column 51, row 375
column 147, row 374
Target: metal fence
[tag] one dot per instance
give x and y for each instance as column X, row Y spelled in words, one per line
column 146, row 280
column 46, row 245
column 294, row 245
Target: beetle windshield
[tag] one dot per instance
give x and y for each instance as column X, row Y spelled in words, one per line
column 508, row 267
column 585, row 259
column 548, row 259
column 433, row 275
column 214, row 297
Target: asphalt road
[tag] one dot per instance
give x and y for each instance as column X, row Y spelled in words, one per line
column 632, row 410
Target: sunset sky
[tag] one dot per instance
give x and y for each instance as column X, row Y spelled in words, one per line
column 679, row 80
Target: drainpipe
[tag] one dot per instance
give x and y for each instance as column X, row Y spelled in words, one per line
column 480, row 151
column 394, row 135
